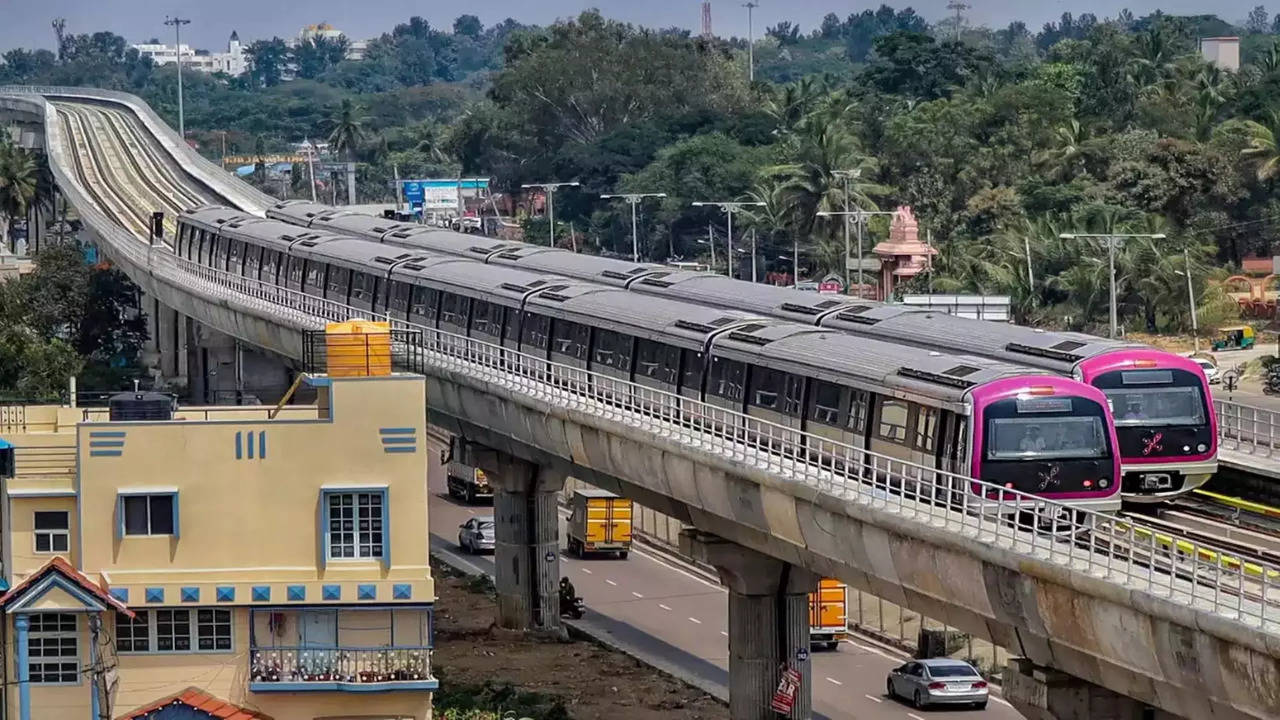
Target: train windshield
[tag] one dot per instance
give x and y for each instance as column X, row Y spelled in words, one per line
column 1023, row 438
column 1154, row 397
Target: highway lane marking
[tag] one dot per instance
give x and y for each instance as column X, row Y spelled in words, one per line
column 664, row 607
column 611, row 582
column 876, row 650
column 873, row 698
column 914, row 716
column 673, row 566
column 834, row 681
column 724, row 633
column 695, row 620
column 633, row 592
column 585, row 571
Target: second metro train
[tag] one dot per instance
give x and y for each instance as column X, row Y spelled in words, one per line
column 1041, row 434
column 1165, row 419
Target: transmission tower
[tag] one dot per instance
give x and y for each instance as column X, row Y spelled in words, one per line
column 706, row 18
column 959, row 6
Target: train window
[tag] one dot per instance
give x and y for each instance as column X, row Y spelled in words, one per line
column 270, row 263
column 315, row 275
column 926, row 427
column 234, row 252
column 219, row 257
column 252, row 261
column 497, row 314
column 824, row 404
column 400, row 296
column 480, row 318
column 361, row 287
column 339, row 279
column 766, row 387
column 605, row 349
column 377, row 287
column 535, row 331
column 691, row 370
column 657, row 360
column 727, row 378
column 793, row 395
column 893, row 420
column 454, row 309
column 422, row 307
column 859, row 402
column 295, row 274
column 570, row 339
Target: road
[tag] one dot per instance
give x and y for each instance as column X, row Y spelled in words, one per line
column 652, row 604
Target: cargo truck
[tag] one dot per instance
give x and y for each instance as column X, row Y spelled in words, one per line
column 828, row 607
column 466, row 481
column 599, row 522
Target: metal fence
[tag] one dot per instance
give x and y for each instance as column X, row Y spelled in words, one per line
column 1248, row 429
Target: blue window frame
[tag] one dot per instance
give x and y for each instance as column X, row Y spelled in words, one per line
column 354, row 524
column 147, row 513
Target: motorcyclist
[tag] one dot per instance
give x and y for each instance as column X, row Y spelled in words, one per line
column 567, row 594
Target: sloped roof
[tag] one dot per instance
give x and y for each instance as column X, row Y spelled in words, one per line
column 197, row 699
column 62, row 568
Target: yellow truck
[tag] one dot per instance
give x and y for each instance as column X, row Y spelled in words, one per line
column 827, row 613
column 599, row 522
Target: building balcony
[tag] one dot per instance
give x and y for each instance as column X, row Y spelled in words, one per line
column 343, row 669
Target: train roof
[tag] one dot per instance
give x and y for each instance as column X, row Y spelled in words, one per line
column 298, row 209
column 593, row 268
column 839, row 357
column 479, row 281
column 359, row 255
column 655, row 319
column 695, row 286
column 360, row 223
column 215, row 216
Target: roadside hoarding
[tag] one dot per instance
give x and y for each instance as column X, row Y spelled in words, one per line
column 442, row 194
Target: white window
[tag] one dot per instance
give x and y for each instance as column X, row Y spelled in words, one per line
column 52, row 531
column 148, row 514
column 355, row 525
column 174, row 631
column 54, row 649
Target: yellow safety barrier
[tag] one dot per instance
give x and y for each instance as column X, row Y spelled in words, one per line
column 1252, row 507
column 1185, row 547
column 358, row 348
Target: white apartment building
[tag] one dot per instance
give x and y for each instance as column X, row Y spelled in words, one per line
column 231, row 62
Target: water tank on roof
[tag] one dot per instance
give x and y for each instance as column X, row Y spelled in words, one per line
column 138, row 405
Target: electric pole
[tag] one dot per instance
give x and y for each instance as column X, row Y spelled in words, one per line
column 959, row 6
column 751, row 44
column 177, row 24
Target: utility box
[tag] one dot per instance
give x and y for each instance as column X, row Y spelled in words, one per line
column 600, row 522
column 828, row 613
column 358, row 348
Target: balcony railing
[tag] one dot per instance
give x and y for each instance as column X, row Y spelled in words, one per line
column 354, row 669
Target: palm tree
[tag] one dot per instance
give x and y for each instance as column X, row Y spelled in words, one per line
column 1069, row 151
column 18, row 177
column 1263, row 146
column 1153, row 63
column 346, row 129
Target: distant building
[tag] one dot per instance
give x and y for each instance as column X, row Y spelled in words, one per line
column 1223, row 52
column 355, row 49
column 231, row 62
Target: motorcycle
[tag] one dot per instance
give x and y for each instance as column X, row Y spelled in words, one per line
column 572, row 607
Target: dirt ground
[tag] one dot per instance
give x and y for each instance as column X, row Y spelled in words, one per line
column 592, row 681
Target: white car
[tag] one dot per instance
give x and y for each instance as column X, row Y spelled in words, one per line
column 1210, row 370
column 477, row 535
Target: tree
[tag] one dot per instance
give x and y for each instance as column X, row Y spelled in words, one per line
column 915, row 65
column 1262, row 147
column 1258, row 21
column 18, row 177
column 315, row 56
column 468, row 26
column 268, row 61
column 346, row 129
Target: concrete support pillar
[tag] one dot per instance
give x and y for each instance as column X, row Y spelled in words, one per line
column 527, row 543
column 1044, row 694
column 768, row 624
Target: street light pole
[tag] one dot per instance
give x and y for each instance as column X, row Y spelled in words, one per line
column 861, row 216
column 634, row 199
column 751, row 45
column 729, row 208
column 550, row 189
column 849, row 175
column 1112, row 240
column 177, row 24
column 1191, row 300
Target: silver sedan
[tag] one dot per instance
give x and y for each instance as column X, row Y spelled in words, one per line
column 476, row 534
column 938, row 681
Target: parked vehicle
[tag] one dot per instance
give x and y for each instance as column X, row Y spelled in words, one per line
column 477, row 534
column 1235, row 338
column 828, row 606
column 599, row 522
column 938, row 681
column 466, row 481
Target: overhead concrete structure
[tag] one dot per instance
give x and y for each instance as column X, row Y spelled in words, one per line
column 1116, row 611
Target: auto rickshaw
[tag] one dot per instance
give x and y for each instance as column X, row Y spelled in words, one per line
column 1235, row 338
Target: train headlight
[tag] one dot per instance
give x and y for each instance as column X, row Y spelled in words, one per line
column 1186, row 448
column 1201, row 447
column 1104, row 483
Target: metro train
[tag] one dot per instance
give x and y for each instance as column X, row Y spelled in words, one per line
column 1034, row 432
column 1164, row 413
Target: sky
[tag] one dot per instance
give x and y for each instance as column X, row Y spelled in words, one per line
column 26, row 23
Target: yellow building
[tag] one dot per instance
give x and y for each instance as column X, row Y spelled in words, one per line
column 223, row 562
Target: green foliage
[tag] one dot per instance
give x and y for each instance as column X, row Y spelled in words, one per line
column 492, row 701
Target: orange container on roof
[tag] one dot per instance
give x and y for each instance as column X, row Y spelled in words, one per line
column 358, row 348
